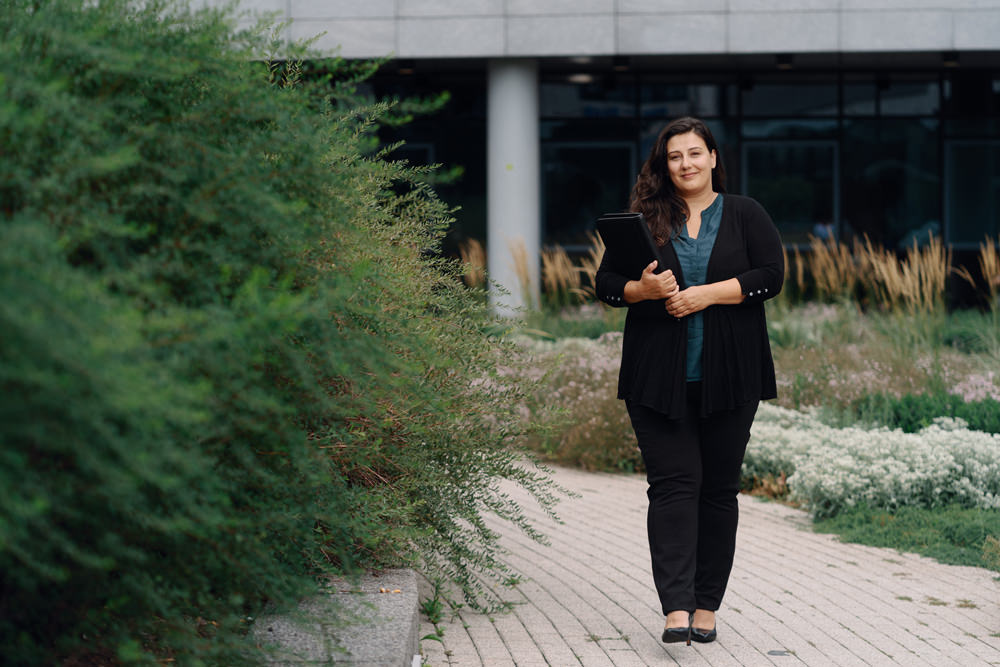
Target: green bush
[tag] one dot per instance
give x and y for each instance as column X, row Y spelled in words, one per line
column 232, row 358
column 913, row 412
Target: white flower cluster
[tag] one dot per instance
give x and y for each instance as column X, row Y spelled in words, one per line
column 835, row 468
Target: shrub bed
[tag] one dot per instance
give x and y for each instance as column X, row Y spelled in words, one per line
column 232, row 358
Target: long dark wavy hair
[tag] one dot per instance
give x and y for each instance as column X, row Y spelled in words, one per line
column 654, row 194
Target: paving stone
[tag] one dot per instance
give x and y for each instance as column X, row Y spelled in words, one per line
column 795, row 598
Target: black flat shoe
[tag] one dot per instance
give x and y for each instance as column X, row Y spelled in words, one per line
column 703, row 636
column 675, row 635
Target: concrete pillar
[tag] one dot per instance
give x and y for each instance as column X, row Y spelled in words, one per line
column 513, row 216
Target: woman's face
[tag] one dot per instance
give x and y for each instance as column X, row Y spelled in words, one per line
column 690, row 163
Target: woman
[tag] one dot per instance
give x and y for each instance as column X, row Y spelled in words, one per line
column 695, row 363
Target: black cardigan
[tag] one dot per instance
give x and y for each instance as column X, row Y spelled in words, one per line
column 737, row 367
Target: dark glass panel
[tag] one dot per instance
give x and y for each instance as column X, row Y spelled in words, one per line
column 647, row 137
column 796, row 128
column 732, row 100
column 592, row 96
column 453, row 141
column 973, row 128
column 455, row 136
column 726, row 135
column 972, row 173
column 909, row 98
column 673, row 100
column 795, row 182
column 972, row 93
column 860, row 95
column 581, row 181
column 790, row 99
column 588, row 129
column 891, row 183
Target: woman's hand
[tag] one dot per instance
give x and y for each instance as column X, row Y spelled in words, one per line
column 689, row 301
column 699, row 297
column 651, row 286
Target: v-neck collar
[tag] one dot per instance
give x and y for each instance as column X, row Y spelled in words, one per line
column 682, row 233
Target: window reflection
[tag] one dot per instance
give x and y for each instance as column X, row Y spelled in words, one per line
column 790, row 99
column 860, row 95
column 972, row 173
column 597, row 97
column 455, row 136
column 671, row 100
column 891, row 184
column 795, row 181
column 789, row 128
column 581, row 181
column 909, row 98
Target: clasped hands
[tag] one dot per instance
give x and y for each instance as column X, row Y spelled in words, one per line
column 679, row 303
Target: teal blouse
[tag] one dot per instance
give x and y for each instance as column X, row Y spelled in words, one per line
column 693, row 255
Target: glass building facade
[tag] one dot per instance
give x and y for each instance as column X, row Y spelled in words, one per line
column 892, row 152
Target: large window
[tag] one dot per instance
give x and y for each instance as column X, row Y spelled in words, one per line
column 895, row 155
column 833, row 155
column 891, row 180
column 580, row 182
column 588, row 167
column 972, row 184
column 972, row 156
column 796, row 182
column 454, row 137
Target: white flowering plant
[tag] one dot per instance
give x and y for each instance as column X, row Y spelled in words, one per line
column 830, row 469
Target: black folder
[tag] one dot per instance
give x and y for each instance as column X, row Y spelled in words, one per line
column 629, row 245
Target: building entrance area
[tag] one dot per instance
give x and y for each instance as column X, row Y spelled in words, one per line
column 894, row 148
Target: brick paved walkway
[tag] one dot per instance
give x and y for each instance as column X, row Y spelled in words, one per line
column 795, row 597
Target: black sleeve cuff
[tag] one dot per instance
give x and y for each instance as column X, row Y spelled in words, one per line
column 759, row 285
column 611, row 289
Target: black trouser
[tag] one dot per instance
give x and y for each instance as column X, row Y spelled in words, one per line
column 693, row 469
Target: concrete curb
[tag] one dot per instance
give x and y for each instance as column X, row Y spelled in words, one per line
column 382, row 615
